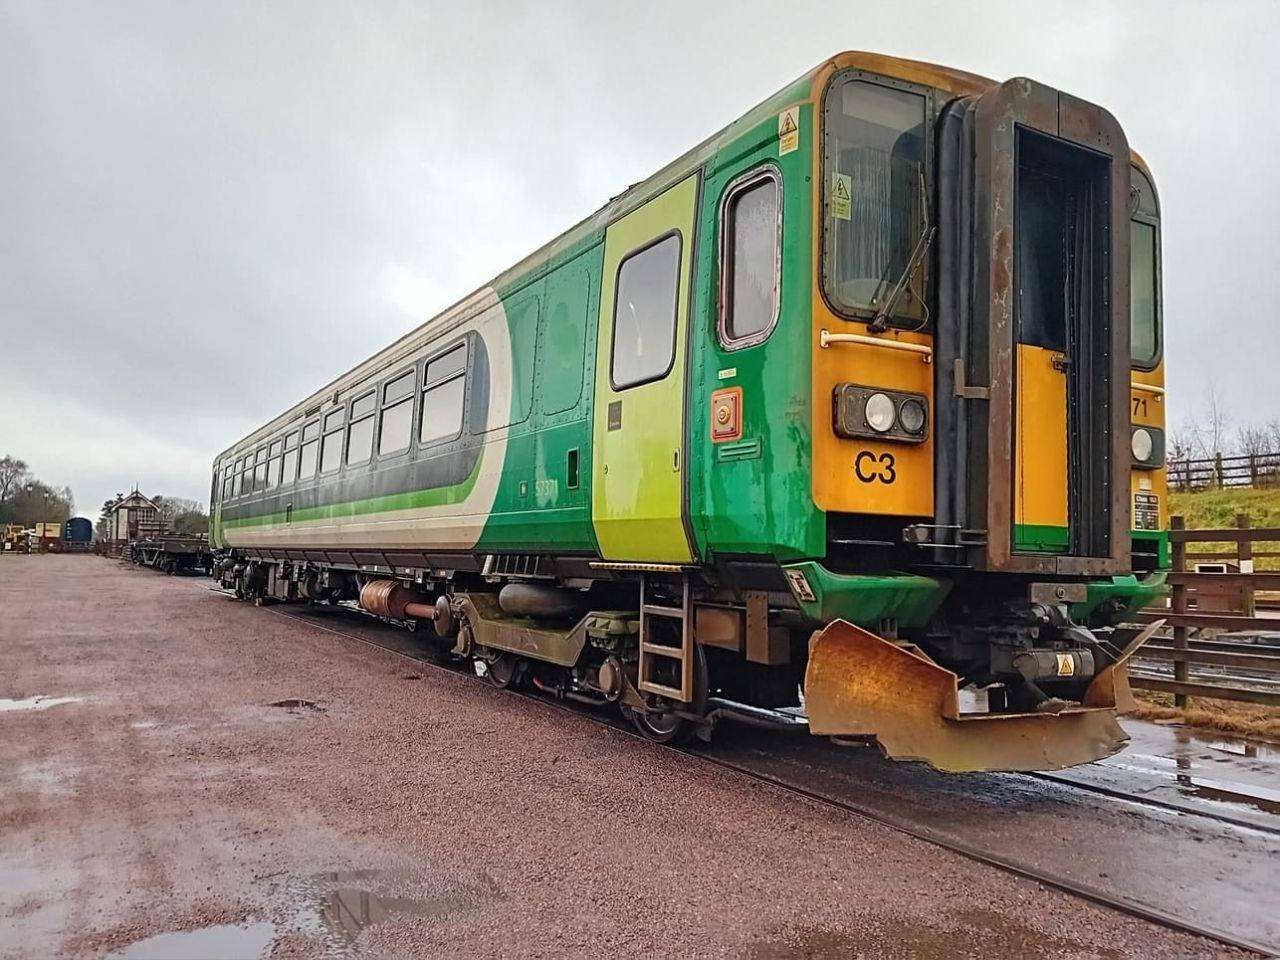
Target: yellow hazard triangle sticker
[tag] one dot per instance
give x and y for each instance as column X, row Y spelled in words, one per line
column 842, row 197
column 788, row 130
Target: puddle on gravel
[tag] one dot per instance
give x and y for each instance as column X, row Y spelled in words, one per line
column 226, row 942
column 297, row 703
column 1205, row 791
column 331, row 907
column 337, row 906
column 38, row 702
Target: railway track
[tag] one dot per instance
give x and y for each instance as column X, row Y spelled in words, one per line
column 926, row 834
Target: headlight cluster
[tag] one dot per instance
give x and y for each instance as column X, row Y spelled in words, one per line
column 881, row 414
column 1147, row 446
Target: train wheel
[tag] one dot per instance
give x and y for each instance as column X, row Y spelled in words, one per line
column 660, row 728
column 668, row 727
column 504, row 671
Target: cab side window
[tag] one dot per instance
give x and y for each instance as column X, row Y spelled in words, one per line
column 750, row 258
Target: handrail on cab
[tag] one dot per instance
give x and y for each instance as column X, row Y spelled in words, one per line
column 826, row 338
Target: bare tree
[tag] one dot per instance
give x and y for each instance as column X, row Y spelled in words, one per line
column 13, row 472
column 1253, row 441
column 171, row 507
column 1206, row 434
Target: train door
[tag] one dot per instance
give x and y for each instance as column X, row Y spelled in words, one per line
column 637, row 491
column 1059, row 264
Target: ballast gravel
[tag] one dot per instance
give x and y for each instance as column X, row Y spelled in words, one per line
column 235, row 778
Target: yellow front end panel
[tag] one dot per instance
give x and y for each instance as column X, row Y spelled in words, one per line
column 1040, row 513
column 865, row 475
column 1146, row 407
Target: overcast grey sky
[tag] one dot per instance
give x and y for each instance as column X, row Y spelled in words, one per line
column 209, row 210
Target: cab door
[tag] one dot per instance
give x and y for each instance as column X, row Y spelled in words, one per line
column 637, row 499
column 1043, row 264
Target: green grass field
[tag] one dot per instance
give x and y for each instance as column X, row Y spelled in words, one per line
column 1212, row 509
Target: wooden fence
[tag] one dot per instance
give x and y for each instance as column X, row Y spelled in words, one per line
column 1233, row 597
column 1246, row 470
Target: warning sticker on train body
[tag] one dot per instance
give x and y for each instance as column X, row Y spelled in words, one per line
column 788, row 130
column 842, row 197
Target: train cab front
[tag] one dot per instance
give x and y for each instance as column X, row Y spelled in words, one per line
column 976, row 433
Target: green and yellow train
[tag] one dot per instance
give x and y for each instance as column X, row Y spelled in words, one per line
column 850, row 419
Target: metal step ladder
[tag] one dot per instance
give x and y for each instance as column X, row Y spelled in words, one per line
column 653, row 652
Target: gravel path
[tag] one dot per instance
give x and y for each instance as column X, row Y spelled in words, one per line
column 387, row 810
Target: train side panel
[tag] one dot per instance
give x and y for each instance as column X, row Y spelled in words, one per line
column 749, row 483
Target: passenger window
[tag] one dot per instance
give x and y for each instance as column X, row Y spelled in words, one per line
column 273, row 464
column 444, row 389
column 289, row 463
column 333, row 419
column 397, row 415
column 453, row 362
column 360, row 436
column 331, row 451
column 228, row 486
column 644, row 314
column 309, row 455
column 363, row 406
column 751, row 233
column 260, row 469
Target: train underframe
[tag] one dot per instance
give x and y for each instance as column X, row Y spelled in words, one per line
column 1001, row 677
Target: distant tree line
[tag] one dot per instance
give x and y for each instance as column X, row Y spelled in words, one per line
column 1211, row 432
column 28, row 501
column 1210, row 448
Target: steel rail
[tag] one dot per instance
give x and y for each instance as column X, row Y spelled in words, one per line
column 1116, row 794
column 935, row 838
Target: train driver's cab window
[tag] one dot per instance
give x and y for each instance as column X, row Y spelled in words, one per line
column 1144, row 271
column 273, row 463
column 750, row 245
column 874, row 199
column 397, row 414
column 644, row 314
column 443, row 392
column 289, row 470
column 331, row 445
column 310, row 455
column 360, row 436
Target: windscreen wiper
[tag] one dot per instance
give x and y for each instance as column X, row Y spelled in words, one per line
column 881, row 321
